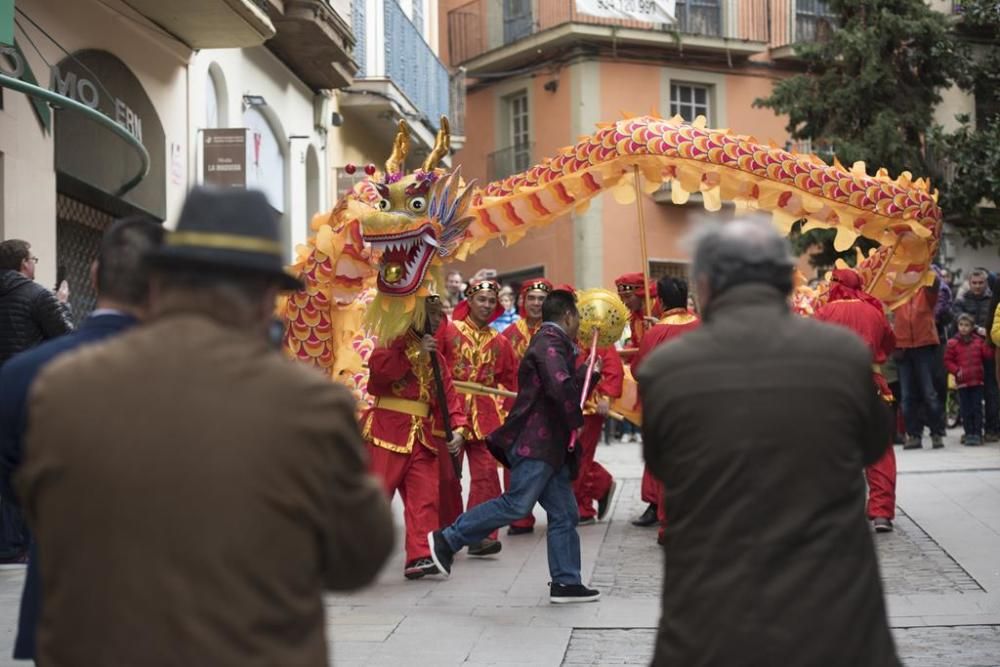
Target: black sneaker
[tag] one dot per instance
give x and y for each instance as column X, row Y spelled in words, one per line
column 648, row 518
column 882, row 524
column 418, row 568
column 441, row 553
column 570, row 593
column 520, row 530
column 487, row 547
column 991, row 437
column 604, row 504
column 937, row 441
column 913, row 442
column 587, row 521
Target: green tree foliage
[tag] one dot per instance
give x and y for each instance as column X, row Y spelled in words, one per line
column 870, row 90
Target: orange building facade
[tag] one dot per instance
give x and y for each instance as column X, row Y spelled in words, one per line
column 539, row 75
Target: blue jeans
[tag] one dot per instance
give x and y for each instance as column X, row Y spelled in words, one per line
column 916, row 379
column 531, row 481
column 970, row 401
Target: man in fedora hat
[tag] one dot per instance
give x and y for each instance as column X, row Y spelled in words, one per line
column 192, row 491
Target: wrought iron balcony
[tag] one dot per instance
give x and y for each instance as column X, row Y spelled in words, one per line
column 314, row 39
column 798, row 21
column 399, row 77
column 485, row 26
column 209, row 24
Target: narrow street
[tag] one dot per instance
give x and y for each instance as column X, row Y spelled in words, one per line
column 941, row 569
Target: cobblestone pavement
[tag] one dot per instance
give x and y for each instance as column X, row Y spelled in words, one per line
column 629, row 563
column 960, row 646
column 911, row 562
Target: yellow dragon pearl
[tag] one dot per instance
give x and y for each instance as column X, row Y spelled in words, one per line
column 393, row 273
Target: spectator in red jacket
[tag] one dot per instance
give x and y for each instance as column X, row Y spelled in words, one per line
column 966, row 352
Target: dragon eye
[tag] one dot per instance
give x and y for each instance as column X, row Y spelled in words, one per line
column 417, row 204
column 384, row 204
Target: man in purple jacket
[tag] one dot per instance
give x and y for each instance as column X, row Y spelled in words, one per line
column 533, row 443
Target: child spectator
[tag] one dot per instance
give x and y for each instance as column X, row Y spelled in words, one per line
column 964, row 359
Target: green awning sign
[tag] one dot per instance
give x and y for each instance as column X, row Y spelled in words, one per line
column 7, row 22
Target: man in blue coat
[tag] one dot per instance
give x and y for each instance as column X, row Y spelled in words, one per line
column 533, row 443
column 122, row 284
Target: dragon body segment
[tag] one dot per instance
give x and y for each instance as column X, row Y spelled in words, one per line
column 382, row 247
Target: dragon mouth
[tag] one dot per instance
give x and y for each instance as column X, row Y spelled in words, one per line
column 406, row 256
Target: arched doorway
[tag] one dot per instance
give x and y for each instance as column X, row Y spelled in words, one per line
column 216, row 98
column 313, row 194
column 267, row 169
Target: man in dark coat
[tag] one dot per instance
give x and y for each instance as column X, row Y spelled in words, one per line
column 533, row 443
column 122, row 283
column 193, row 492
column 760, row 424
column 29, row 313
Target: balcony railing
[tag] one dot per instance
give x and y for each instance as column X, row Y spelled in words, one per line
column 506, row 161
column 405, row 57
column 483, row 25
column 798, row 21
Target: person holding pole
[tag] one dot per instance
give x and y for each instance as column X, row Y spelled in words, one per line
column 399, row 430
column 520, row 333
column 477, row 353
column 677, row 319
column 534, row 443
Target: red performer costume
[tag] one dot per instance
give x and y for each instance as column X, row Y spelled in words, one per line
column 475, row 352
column 594, row 482
column 676, row 320
column 399, row 430
column 632, row 291
column 533, row 293
column 850, row 306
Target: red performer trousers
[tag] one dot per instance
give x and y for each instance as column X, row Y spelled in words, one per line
column 415, row 476
column 593, row 480
column 881, row 477
column 485, row 482
column 650, row 488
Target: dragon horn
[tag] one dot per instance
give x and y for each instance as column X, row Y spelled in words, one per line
column 441, row 145
column 400, row 147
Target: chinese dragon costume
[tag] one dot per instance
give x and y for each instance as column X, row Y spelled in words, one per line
column 382, row 247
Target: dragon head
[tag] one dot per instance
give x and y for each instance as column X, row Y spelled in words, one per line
column 419, row 219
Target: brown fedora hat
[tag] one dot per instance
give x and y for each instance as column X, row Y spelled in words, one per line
column 227, row 229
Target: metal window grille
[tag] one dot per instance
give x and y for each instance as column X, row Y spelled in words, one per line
column 689, row 101
column 78, row 237
column 518, row 22
column 812, row 17
column 675, row 269
column 699, row 17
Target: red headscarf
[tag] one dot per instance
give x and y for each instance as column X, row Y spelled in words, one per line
column 461, row 311
column 846, row 284
column 540, row 284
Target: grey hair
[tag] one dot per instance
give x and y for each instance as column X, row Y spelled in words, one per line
column 739, row 252
column 980, row 273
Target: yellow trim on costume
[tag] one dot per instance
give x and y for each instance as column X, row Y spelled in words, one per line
column 676, row 318
column 403, row 405
column 223, row 242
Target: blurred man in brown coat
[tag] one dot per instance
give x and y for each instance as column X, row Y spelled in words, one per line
column 192, row 492
column 760, row 424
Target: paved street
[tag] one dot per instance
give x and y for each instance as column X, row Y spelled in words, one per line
column 941, row 570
